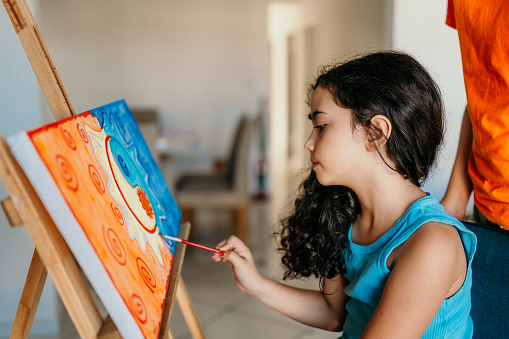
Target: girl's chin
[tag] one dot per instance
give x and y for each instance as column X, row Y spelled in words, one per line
column 322, row 181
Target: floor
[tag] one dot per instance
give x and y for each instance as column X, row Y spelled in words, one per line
column 224, row 311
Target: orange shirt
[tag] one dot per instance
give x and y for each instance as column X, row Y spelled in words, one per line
column 483, row 30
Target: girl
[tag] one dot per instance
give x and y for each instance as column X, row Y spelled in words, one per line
column 392, row 262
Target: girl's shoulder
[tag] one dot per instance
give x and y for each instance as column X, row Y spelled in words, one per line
column 427, row 227
column 427, row 220
column 434, row 241
column 436, row 237
column 435, row 247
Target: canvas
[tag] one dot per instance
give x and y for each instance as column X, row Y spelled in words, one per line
column 96, row 177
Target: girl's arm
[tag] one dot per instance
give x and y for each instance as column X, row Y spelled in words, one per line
column 428, row 268
column 460, row 186
column 323, row 310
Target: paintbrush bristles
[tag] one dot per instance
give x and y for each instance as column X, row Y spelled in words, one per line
column 172, row 238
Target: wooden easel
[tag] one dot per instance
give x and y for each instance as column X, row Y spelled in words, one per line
column 51, row 254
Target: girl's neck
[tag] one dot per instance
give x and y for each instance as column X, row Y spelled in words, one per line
column 382, row 203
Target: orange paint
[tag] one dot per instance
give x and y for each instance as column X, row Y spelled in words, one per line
column 139, row 277
column 145, row 202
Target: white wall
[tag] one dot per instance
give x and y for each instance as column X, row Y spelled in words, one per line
column 419, row 28
column 200, row 63
column 20, row 108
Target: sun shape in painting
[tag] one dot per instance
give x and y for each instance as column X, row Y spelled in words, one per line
column 129, row 187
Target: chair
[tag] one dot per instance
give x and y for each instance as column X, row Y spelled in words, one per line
column 490, row 282
column 228, row 188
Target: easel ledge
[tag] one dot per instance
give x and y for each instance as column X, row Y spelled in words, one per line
column 51, row 254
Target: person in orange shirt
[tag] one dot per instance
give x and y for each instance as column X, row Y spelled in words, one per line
column 482, row 161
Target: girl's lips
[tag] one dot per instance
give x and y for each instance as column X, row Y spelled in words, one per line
column 314, row 164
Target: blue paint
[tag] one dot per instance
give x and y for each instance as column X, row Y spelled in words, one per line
column 139, row 167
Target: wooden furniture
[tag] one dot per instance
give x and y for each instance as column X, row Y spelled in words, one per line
column 52, row 254
column 228, row 188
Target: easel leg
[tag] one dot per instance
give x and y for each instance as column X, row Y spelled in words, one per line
column 188, row 311
column 188, row 215
column 30, row 297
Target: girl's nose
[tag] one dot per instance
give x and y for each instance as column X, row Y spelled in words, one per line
column 309, row 145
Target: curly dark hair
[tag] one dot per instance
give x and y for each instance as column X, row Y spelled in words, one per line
column 314, row 236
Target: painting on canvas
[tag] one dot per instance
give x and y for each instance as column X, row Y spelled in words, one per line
column 98, row 180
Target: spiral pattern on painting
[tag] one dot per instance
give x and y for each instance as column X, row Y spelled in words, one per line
column 67, row 173
column 114, row 245
column 118, row 214
column 83, row 133
column 96, row 179
column 69, row 140
column 139, row 308
column 146, row 274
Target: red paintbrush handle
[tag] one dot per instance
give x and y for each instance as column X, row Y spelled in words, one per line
column 190, row 243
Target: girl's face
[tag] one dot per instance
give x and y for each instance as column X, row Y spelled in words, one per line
column 337, row 150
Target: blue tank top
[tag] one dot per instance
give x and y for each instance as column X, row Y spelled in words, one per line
column 367, row 273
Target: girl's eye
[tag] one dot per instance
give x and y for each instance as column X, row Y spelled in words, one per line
column 320, row 127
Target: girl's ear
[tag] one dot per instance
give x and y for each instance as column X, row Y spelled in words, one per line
column 381, row 129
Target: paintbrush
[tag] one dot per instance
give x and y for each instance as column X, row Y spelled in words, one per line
column 190, row 243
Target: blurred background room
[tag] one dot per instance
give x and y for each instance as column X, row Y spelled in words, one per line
column 189, row 70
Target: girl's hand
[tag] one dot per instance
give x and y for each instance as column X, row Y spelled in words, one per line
column 241, row 261
column 308, row 306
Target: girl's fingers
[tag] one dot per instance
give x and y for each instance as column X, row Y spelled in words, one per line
column 239, row 257
column 222, row 243
column 216, row 257
column 224, row 246
column 231, row 245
